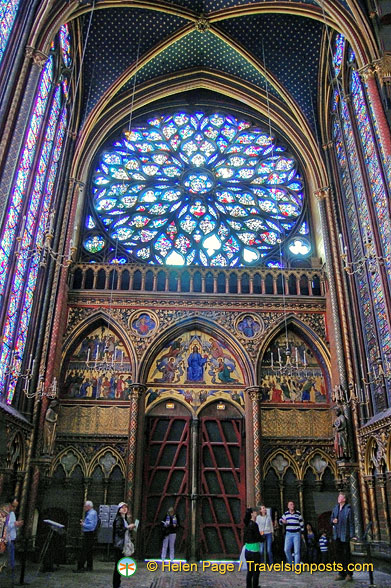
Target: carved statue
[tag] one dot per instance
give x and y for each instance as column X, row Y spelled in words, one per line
column 49, row 428
column 340, row 434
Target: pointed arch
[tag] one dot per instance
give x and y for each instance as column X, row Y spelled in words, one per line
column 303, row 330
column 291, row 464
column 108, row 467
column 93, row 321
column 307, row 464
column 64, row 459
column 204, row 325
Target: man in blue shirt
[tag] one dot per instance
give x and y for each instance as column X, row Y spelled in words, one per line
column 88, row 527
column 343, row 531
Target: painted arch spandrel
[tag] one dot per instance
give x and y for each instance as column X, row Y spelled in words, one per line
column 303, row 384
column 99, row 368
column 196, row 367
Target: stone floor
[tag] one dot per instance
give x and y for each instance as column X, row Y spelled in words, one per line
column 102, row 578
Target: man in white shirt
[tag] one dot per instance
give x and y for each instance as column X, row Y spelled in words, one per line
column 11, row 526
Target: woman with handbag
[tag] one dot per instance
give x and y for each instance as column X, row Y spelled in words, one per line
column 122, row 543
column 265, row 526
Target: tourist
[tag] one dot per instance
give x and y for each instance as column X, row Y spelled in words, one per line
column 170, row 527
column 265, row 526
column 88, row 527
column 294, row 527
column 343, row 531
column 252, row 543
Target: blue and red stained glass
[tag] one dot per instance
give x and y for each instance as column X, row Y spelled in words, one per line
column 21, row 335
column 24, row 170
column 198, row 189
column 8, row 11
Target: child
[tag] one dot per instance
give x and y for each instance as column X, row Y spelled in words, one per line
column 324, row 546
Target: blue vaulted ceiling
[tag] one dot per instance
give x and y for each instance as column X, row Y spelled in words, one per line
column 201, row 50
column 286, row 45
column 115, row 38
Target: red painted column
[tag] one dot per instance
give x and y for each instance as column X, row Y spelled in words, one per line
column 378, row 112
column 135, row 395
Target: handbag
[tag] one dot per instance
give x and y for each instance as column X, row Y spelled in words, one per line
column 128, row 549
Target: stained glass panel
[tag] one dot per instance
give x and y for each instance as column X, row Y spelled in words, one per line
column 374, row 170
column 65, row 44
column 8, row 11
column 31, row 281
column 196, row 189
column 28, row 235
column 24, row 169
column 338, row 53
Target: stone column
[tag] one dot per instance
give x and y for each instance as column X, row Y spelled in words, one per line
column 255, row 396
column 340, row 329
column 135, row 395
column 381, row 479
column 372, row 502
column 300, row 484
column 367, row 74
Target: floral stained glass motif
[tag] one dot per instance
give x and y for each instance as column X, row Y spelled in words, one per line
column 8, row 11
column 199, row 189
column 23, row 172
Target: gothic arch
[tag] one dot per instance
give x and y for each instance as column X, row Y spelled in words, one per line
column 92, row 322
column 108, row 465
column 69, row 458
column 303, row 330
column 158, row 401
column 17, row 453
column 281, row 472
column 203, row 406
column 204, row 325
column 318, row 472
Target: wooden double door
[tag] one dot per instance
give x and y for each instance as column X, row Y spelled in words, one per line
column 196, row 465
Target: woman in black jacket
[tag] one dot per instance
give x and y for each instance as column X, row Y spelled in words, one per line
column 120, row 526
column 252, row 541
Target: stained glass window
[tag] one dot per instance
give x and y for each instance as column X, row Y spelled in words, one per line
column 8, row 11
column 338, row 53
column 37, row 204
column 370, row 287
column 65, row 44
column 198, row 189
column 23, row 172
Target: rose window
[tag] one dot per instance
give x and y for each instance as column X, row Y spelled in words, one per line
column 195, row 189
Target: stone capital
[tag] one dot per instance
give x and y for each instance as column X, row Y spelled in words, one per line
column 322, row 193
column 39, row 59
column 382, row 67
column 367, row 72
column 254, row 392
column 136, row 390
